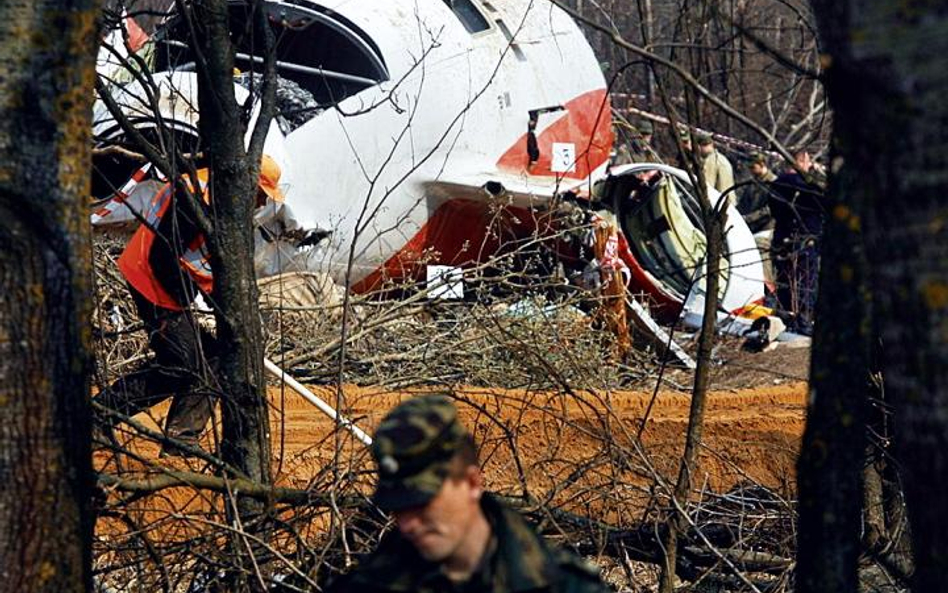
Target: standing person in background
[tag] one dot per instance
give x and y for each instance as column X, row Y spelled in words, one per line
column 798, row 209
column 633, row 143
column 684, row 137
column 450, row 534
column 622, row 154
column 641, row 147
column 717, row 170
column 754, row 206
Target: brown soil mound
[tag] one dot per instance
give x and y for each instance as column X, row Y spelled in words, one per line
column 578, row 450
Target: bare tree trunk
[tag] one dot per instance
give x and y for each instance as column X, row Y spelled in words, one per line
column 714, row 233
column 46, row 68
column 832, row 457
column 246, row 442
column 886, row 65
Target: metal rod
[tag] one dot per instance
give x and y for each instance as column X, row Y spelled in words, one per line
column 316, row 401
column 290, row 66
column 311, row 70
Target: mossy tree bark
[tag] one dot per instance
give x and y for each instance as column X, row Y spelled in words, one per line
column 46, row 73
column 884, row 68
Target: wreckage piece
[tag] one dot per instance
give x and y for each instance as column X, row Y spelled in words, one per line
column 666, row 244
column 658, row 336
column 177, row 113
column 322, row 406
column 176, row 97
column 424, row 113
column 530, row 122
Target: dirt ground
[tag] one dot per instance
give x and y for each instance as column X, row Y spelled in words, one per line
column 608, row 456
column 579, row 449
column 536, row 442
column 751, row 434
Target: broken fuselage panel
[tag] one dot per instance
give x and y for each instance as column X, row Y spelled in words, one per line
column 657, row 209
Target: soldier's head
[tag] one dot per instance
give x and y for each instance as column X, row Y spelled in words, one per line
column 685, row 137
column 705, row 143
column 758, row 165
column 645, row 130
column 429, row 477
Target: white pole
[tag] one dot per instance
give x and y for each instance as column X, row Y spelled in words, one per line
column 316, row 401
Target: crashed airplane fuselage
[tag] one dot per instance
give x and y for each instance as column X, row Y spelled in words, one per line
column 419, row 119
column 407, row 124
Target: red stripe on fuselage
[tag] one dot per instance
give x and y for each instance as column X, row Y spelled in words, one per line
column 462, row 232
column 586, row 123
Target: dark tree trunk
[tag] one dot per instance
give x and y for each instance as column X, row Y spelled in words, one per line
column 832, row 457
column 46, row 69
column 246, row 439
column 245, row 443
column 885, row 65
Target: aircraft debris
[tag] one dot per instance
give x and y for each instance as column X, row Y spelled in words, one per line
column 321, row 405
column 659, row 337
column 530, row 124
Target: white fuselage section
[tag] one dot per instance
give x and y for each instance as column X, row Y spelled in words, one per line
column 391, row 168
column 454, row 105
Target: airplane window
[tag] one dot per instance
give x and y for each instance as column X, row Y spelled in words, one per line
column 322, row 58
column 467, row 13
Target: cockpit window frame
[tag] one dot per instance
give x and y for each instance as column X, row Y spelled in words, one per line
column 462, row 16
column 295, row 16
column 346, row 28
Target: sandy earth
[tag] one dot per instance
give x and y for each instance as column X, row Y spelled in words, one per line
column 750, row 434
column 580, row 452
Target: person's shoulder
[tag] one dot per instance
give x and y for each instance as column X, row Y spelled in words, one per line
column 787, row 181
column 382, row 576
column 341, row 583
column 531, row 555
column 787, row 176
column 391, row 567
column 578, row 575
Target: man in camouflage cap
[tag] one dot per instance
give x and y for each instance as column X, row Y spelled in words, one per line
column 450, row 534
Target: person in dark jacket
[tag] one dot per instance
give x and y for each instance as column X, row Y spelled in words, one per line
column 798, row 209
column 754, row 205
column 450, row 535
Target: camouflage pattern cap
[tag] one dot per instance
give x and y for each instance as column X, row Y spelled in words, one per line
column 644, row 127
column 703, row 138
column 413, row 447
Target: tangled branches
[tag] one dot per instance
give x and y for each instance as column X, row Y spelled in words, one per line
column 534, row 370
